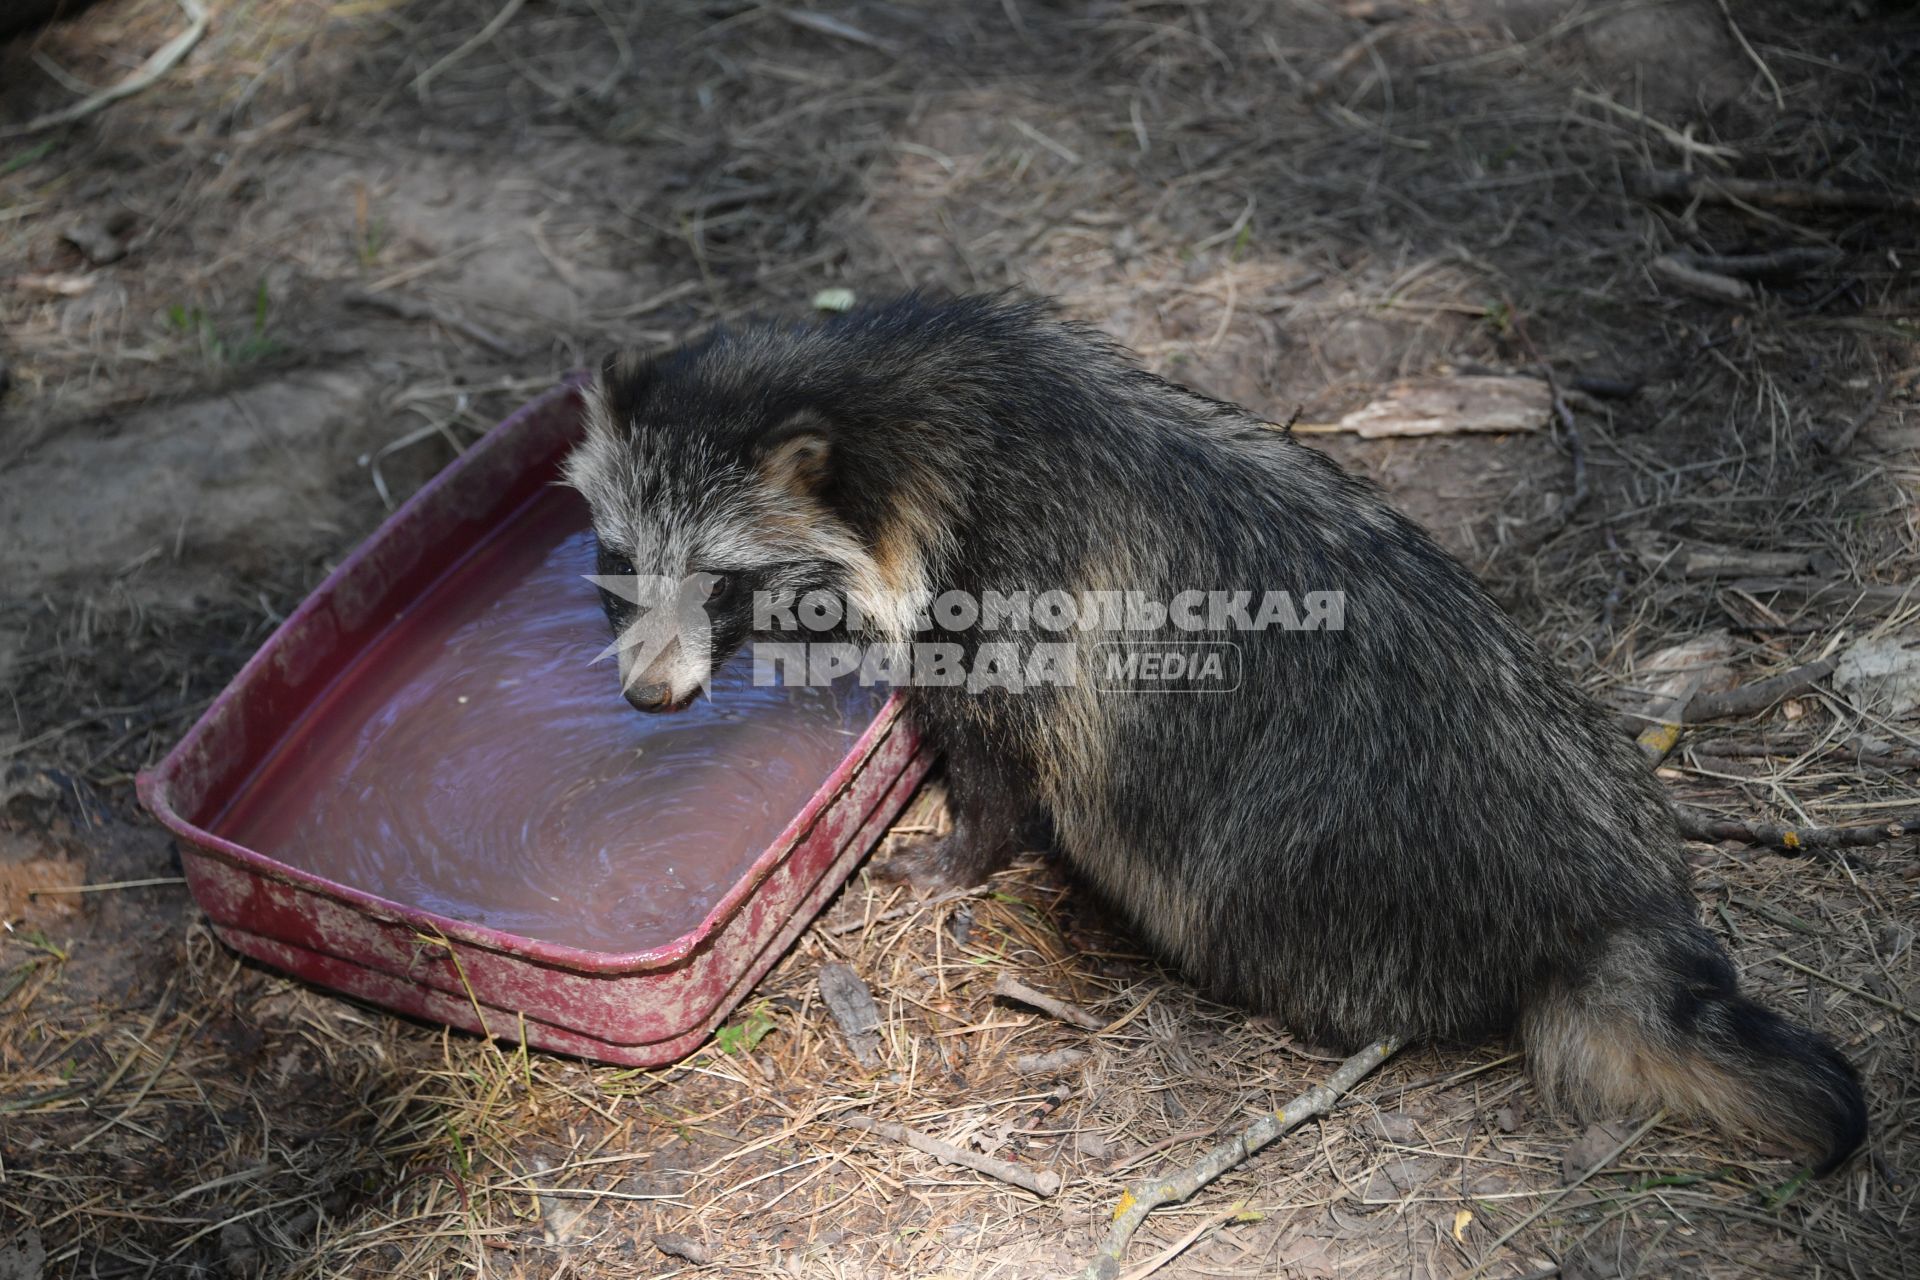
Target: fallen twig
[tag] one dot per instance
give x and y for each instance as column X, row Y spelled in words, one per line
column 1577, row 448
column 1780, row 264
column 1753, row 56
column 1617, row 593
column 1723, row 277
column 1696, row 824
column 1321, row 82
column 1882, row 754
column 1837, row 597
column 1012, row 989
column 162, row 61
column 1144, row 1197
column 1759, row 695
column 1671, row 184
column 1687, row 705
column 1684, row 141
column 1042, row 1182
column 103, row 888
column 1683, row 275
column 415, row 309
column 1564, row 1192
column 480, row 37
column 1839, row 441
column 1661, row 734
column 1860, row 748
column 1602, row 388
column 1909, row 1014
column 827, row 25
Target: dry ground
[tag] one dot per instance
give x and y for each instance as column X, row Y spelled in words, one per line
column 353, row 232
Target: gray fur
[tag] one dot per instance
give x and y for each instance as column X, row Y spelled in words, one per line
column 1415, row 825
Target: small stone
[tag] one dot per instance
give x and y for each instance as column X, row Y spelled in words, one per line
column 686, row 1248
column 102, row 240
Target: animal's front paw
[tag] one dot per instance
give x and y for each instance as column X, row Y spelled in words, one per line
column 932, row 864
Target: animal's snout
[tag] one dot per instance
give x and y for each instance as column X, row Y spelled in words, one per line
column 650, row 696
column 656, row 696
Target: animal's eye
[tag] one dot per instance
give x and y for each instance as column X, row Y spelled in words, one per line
column 717, row 586
column 611, row 564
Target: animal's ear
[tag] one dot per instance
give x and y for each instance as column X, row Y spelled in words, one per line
column 796, row 454
column 617, row 392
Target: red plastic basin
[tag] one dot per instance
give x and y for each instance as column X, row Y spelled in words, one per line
column 641, row 1008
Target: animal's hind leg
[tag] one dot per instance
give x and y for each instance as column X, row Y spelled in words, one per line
column 990, row 824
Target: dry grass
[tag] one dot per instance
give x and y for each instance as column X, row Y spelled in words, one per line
column 1285, row 205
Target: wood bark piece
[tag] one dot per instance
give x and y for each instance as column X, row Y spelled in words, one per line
column 1040, row 1064
column 1444, row 406
column 851, row 1004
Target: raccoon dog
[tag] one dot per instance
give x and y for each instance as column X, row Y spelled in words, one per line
column 1412, row 824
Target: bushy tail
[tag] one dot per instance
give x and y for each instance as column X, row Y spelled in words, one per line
column 1659, row 1021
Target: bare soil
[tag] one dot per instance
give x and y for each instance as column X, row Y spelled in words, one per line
column 249, row 308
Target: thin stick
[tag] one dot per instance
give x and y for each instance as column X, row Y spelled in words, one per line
column 1759, row 695
column 1779, row 264
column 1562, row 1194
column 102, row 888
column 416, row 309
column 1321, row 82
column 1144, row 1197
column 1669, row 184
column 1013, row 989
column 1701, row 284
column 1909, row 1014
column 1042, row 1182
column 162, row 61
column 1577, row 449
column 479, row 38
column 1779, row 99
column 1839, row 441
column 1211, row 1222
column 1697, row 825
column 141, row 1094
column 828, row 25
column 1666, row 131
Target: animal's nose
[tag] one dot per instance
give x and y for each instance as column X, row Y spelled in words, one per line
column 654, row 696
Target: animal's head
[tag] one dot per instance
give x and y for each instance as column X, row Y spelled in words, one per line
column 708, row 494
